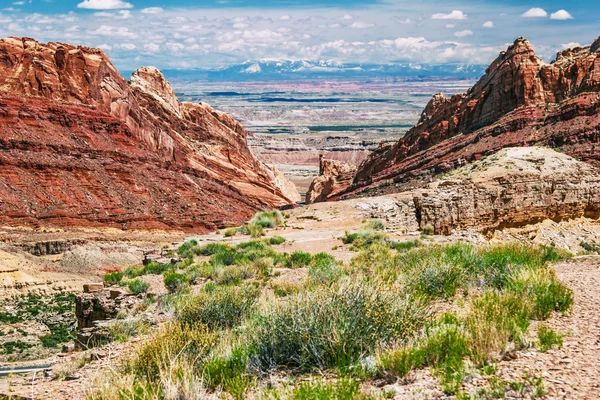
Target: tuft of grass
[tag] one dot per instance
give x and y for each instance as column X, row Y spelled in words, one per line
column 175, row 281
column 428, row 230
column 231, row 232
column 547, row 338
column 376, row 225
column 122, row 330
column 324, row 270
column 268, row 219
column 277, row 240
column 321, row 389
column 137, row 286
column 332, row 327
column 113, row 278
column 299, row 259
column 254, row 230
column 218, row 307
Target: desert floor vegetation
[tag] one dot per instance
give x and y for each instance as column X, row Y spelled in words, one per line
column 397, row 307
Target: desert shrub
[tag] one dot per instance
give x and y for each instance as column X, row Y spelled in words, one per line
column 231, row 232
column 376, row 225
column 332, row 327
column 229, row 373
column 321, row 389
column 137, row 286
column 133, row 272
column 59, row 334
column 210, row 249
column 299, row 259
column 547, row 338
column 428, row 229
column 263, row 267
column 113, row 278
column 268, row 219
column 223, row 258
column 175, row 281
column 122, row 330
column 277, row 240
column 233, row 274
column 405, row 246
column 375, row 259
column 364, row 239
column 174, row 342
column 284, row 289
column 155, row 268
column 187, row 247
column 324, row 269
column 437, row 280
column 218, row 307
column 254, row 230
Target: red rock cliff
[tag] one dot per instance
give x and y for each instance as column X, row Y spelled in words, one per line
column 521, row 100
column 81, row 146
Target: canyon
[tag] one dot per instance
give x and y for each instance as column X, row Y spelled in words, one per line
column 520, row 101
column 83, row 147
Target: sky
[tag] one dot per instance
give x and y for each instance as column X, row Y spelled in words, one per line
column 172, row 34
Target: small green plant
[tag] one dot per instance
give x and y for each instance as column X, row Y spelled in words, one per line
column 122, row 330
column 276, row 240
column 268, row 219
column 324, row 269
column 547, row 338
column 255, row 230
column 376, row 225
column 428, row 230
column 113, row 278
column 299, row 259
column 137, row 286
column 321, row 389
column 231, row 232
column 175, row 281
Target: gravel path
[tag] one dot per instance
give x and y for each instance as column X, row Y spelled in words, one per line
column 572, row 372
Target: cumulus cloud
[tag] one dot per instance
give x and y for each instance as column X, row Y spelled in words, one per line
column 285, row 18
column 488, row 24
column 361, row 25
column 450, row 26
column 570, row 45
column 104, row 4
column 535, row 13
column 152, row 10
column 152, row 47
column 464, row 33
column 455, row 14
column 115, row 32
column 561, row 15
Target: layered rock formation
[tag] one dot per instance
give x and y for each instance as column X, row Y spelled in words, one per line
column 520, row 101
column 80, row 146
column 513, row 188
column 333, row 175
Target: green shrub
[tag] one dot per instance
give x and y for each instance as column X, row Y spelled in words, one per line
column 233, row 274
column 219, row 307
column 376, row 225
column 437, row 280
column 133, row 272
column 174, row 281
column 299, row 259
column 122, row 330
column 276, row 240
column 187, row 247
column 268, row 219
column 405, row 246
column 210, row 249
column 155, row 268
column 173, row 343
column 548, row 338
column 223, row 258
column 364, row 239
column 263, row 267
column 229, row 373
column 59, row 334
column 323, row 269
column 138, row 286
column 231, row 232
column 113, row 278
column 321, row 389
column 333, row 327
column 428, row 230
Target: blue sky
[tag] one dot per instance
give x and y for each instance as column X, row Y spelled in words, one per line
column 215, row 33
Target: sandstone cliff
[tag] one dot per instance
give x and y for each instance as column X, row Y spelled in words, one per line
column 513, row 188
column 333, row 175
column 520, row 101
column 81, row 146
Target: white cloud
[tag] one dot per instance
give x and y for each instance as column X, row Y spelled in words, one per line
column 455, row 14
column 450, row 26
column 126, row 46
column 124, row 14
column 535, row 13
column 347, row 17
column 570, row 45
column 488, row 24
column 152, row 47
column 464, row 33
column 285, row 18
column 152, row 10
column 361, row 25
column 561, row 15
column 105, row 47
column 111, row 31
column 104, row 4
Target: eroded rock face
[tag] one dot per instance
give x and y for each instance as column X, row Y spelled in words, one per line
column 80, row 146
column 333, row 175
column 520, row 101
column 513, row 188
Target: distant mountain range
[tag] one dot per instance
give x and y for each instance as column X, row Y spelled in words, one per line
column 273, row 70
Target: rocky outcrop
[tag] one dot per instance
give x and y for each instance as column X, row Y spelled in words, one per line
column 333, row 175
column 520, row 101
column 513, row 188
column 80, row 146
